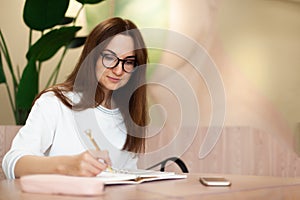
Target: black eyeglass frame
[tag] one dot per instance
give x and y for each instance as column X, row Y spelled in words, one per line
column 103, row 54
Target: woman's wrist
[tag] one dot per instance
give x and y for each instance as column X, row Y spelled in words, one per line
column 61, row 165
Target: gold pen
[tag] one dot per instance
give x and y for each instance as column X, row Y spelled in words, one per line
column 88, row 132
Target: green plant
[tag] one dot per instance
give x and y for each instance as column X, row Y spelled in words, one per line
column 57, row 31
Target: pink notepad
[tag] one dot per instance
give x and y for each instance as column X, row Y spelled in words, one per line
column 61, row 184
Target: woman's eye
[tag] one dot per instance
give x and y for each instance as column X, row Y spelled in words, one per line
column 130, row 62
column 110, row 57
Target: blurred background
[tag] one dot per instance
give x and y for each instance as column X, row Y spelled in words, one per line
column 254, row 43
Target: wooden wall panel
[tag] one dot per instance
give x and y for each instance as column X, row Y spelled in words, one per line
column 240, row 150
column 7, row 133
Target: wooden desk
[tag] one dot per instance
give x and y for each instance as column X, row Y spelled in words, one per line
column 243, row 187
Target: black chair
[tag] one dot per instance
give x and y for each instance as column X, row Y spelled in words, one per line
column 177, row 160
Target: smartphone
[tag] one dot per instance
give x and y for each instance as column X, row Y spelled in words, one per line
column 214, row 181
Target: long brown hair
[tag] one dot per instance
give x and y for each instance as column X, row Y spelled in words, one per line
column 83, row 80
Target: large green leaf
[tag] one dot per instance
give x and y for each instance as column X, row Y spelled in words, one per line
column 77, row 42
column 2, row 75
column 89, row 1
column 28, row 87
column 66, row 20
column 51, row 42
column 44, row 14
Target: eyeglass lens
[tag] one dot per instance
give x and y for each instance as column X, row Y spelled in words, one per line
column 110, row 60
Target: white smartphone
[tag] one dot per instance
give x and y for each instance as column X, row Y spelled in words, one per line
column 214, row 181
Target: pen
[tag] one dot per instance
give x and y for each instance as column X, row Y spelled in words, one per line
column 88, row 132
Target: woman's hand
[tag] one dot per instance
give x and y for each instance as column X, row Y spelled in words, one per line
column 88, row 163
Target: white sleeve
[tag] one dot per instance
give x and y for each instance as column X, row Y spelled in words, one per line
column 36, row 136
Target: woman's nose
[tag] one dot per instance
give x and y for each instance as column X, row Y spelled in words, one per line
column 118, row 69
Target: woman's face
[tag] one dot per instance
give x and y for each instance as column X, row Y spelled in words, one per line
column 122, row 47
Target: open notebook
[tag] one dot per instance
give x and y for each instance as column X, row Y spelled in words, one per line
column 75, row 185
column 136, row 176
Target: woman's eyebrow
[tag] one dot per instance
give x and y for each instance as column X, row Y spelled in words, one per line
column 110, row 51
column 132, row 56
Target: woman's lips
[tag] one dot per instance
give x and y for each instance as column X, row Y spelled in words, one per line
column 114, row 80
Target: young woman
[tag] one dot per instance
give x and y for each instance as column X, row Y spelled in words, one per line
column 108, row 81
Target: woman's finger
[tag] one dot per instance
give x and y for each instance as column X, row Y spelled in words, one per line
column 102, row 155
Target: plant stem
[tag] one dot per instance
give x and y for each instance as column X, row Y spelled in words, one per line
column 59, row 64
column 54, row 75
column 8, row 60
column 50, row 78
column 30, row 38
column 10, row 67
column 18, row 72
column 80, row 9
column 39, row 66
column 11, row 101
column 39, row 71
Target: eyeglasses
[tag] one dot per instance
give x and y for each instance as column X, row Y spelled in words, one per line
column 110, row 60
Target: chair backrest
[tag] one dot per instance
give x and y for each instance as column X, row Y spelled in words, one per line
column 7, row 134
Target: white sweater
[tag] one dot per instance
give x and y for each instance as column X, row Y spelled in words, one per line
column 53, row 129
